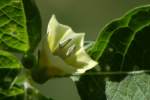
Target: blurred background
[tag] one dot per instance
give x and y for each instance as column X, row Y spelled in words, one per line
column 88, row 16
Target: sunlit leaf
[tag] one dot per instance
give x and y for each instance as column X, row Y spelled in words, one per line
column 13, row 34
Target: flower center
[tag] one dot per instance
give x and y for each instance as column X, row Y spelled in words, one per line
column 65, row 48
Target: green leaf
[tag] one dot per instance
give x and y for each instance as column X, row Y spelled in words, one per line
column 133, row 87
column 21, row 89
column 33, row 23
column 12, row 91
column 13, row 34
column 91, row 87
column 7, row 60
column 123, row 45
column 34, row 31
column 9, row 68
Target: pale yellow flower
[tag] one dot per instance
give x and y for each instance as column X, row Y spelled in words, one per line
column 61, row 51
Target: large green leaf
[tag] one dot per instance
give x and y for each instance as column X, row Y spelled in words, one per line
column 13, row 34
column 133, row 87
column 123, row 45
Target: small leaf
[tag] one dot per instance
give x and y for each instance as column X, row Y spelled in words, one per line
column 13, row 34
column 133, row 87
column 9, row 68
column 11, row 92
column 8, row 60
column 33, row 23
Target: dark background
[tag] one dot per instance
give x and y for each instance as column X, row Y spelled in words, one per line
column 87, row 16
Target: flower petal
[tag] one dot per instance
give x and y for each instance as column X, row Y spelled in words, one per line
column 55, row 32
column 81, row 61
column 77, row 39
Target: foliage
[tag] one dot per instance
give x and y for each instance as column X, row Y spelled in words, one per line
column 122, row 46
column 15, row 28
column 121, row 49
